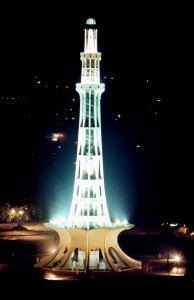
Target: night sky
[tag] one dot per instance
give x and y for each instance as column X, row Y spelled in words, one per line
column 146, row 109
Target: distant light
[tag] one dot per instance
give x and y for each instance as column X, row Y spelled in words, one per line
column 173, row 224
column 118, row 117
column 177, row 258
column 55, row 137
column 138, row 146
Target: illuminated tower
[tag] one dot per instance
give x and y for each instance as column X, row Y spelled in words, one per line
column 89, row 207
column 81, row 250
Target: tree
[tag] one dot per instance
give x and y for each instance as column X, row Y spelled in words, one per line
column 20, row 214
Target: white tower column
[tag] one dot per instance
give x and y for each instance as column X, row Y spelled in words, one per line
column 89, row 206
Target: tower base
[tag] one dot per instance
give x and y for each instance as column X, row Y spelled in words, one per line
column 82, row 251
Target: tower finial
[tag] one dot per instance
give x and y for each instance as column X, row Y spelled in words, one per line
column 90, row 21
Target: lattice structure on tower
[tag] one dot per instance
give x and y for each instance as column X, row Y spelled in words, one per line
column 89, row 206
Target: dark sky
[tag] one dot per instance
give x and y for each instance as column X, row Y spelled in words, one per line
column 146, row 59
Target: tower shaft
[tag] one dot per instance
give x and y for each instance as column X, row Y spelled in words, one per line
column 89, row 206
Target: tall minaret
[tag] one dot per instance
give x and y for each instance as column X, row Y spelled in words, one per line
column 89, row 207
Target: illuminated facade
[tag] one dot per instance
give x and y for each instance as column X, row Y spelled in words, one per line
column 89, row 207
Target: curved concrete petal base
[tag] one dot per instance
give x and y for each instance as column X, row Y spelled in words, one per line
column 95, row 249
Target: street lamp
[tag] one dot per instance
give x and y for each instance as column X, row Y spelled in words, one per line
column 177, row 258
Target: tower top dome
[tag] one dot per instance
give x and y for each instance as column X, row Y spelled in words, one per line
column 90, row 21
